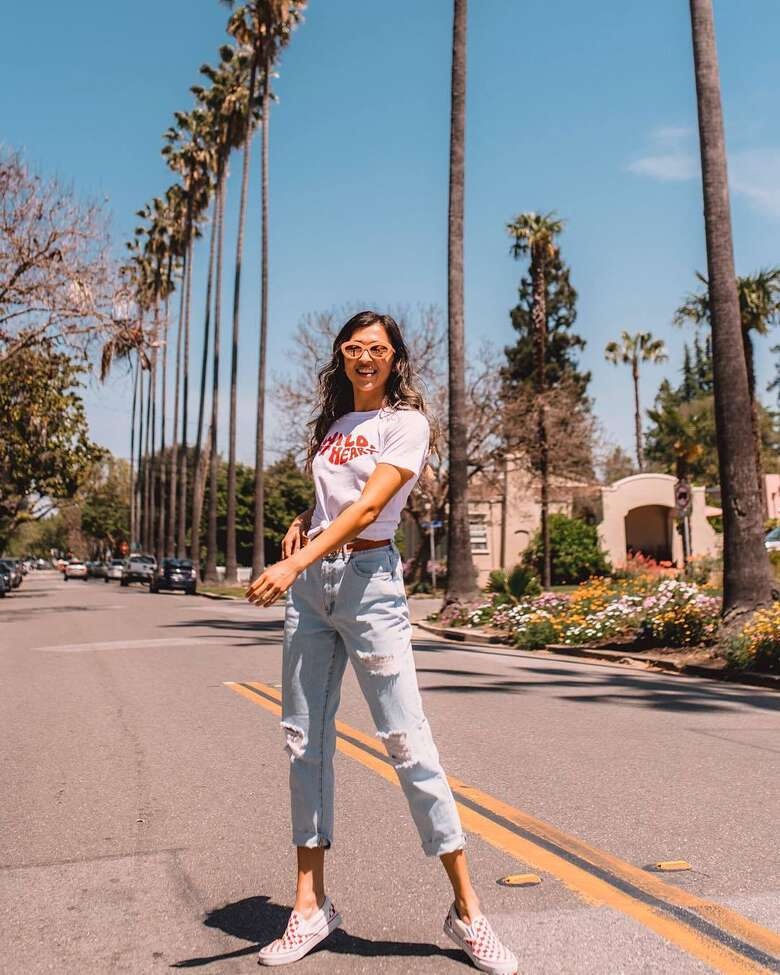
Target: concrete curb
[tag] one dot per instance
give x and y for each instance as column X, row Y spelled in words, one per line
column 469, row 635
column 214, row 595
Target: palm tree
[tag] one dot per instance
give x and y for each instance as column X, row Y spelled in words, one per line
column 747, row 582
column 231, row 104
column 461, row 574
column 246, row 93
column 199, row 472
column 213, row 459
column 186, row 154
column 534, row 235
column 759, row 309
column 630, row 351
column 266, row 27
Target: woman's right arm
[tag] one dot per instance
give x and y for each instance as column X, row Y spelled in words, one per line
column 295, row 538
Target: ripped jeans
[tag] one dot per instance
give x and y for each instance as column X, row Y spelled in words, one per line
column 354, row 606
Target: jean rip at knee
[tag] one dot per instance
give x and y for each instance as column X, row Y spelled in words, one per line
column 294, row 740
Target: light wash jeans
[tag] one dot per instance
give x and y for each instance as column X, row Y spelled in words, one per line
column 354, row 605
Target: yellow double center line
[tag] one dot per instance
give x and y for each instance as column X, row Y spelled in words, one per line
column 721, row 938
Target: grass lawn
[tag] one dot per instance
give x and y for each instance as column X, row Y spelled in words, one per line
column 217, row 590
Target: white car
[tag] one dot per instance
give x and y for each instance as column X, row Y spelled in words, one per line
column 75, row 569
column 114, row 569
column 772, row 540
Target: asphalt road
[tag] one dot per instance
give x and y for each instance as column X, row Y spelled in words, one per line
column 145, row 817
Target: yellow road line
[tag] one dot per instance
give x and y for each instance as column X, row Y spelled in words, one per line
column 720, row 937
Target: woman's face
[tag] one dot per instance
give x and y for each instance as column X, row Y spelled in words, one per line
column 366, row 373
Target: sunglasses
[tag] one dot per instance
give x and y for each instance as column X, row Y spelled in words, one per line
column 354, row 350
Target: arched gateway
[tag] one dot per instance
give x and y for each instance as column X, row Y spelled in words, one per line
column 639, row 516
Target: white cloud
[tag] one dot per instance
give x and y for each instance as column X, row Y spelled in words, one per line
column 753, row 173
column 669, row 167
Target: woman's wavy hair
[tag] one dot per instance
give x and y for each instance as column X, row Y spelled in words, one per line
column 334, row 392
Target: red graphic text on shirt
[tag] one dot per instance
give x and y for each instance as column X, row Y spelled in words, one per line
column 341, row 449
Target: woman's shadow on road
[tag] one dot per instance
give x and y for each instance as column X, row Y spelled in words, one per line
column 258, row 920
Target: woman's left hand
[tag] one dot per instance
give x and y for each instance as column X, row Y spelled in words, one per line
column 274, row 581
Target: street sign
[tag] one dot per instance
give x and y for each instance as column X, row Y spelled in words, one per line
column 682, row 497
column 431, row 524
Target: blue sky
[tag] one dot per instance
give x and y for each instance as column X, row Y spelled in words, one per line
column 584, row 109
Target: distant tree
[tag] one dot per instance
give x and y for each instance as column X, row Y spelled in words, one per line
column 631, row 351
column 616, row 465
column 45, row 450
column 288, row 491
column 563, row 343
column 534, row 236
column 759, row 310
column 58, row 283
column 105, row 505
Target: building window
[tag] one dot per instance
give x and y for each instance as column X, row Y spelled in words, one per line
column 479, row 535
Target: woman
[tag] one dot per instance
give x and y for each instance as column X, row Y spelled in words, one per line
column 346, row 600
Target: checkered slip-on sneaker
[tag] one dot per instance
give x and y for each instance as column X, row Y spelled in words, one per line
column 481, row 943
column 301, row 935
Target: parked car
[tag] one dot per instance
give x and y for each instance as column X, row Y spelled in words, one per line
column 174, row 574
column 42, row 564
column 14, row 570
column 138, row 568
column 114, row 569
column 772, row 540
column 5, row 581
column 96, row 570
column 76, row 569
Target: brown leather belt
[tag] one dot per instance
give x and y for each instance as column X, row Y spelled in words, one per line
column 359, row 544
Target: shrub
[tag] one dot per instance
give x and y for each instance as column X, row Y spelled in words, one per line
column 702, row 567
column 536, row 634
column 774, row 561
column 639, row 564
column 758, row 645
column 515, row 585
column 574, row 551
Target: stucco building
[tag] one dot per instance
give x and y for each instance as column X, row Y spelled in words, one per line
column 634, row 514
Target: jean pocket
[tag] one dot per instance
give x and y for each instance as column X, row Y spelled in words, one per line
column 373, row 563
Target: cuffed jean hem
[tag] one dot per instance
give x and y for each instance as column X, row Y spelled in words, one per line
column 312, row 842
column 435, row 848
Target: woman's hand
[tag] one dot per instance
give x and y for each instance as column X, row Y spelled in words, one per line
column 295, row 538
column 274, row 581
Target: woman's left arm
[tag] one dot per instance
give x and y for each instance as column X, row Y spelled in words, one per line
column 385, row 481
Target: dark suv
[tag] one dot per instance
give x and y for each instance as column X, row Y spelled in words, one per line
column 174, row 574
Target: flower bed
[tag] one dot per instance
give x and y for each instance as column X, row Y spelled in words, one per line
column 758, row 645
column 653, row 610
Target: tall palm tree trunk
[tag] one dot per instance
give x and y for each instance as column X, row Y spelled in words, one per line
column 231, row 564
column 461, row 575
column 754, row 419
column 153, row 454
column 170, row 542
column 258, row 541
column 211, row 538
column 181, row 544
column 163, row 462
column 640, row 456
column 141, row 526
column 148, row 465
column 199, row 470
column 539, row 318
column 747, row 582
column 133, row 519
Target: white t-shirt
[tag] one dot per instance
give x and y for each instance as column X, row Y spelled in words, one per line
column 353, row 446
